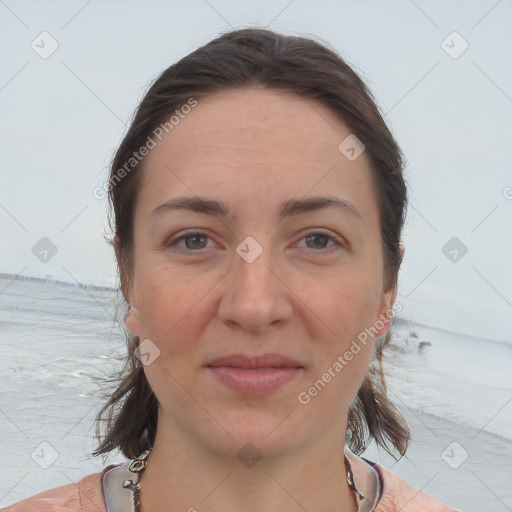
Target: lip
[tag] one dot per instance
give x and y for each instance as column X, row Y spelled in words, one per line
column 255, row 362
column 255, row 375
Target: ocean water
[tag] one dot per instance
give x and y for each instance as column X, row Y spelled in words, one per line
column 61, row 343
column 453, row 376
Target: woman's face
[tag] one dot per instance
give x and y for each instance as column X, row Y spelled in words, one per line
column 253, row 308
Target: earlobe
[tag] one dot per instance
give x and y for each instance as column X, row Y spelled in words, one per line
column 117, row 248
column 386, row 313
column 402, row 251
column 131, row 321
column 387, row 304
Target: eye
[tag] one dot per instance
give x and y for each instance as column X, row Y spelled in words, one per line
column 192, row 242
column 195, row 241
column 318, row 240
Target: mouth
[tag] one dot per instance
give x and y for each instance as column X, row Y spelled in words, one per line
column 255, row 375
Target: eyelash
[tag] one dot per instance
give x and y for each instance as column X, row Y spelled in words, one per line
column 172, row 244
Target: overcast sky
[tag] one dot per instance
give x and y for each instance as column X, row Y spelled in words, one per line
column 441, row 71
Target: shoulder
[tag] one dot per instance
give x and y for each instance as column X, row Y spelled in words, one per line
column 86, row 495
column 397, row 494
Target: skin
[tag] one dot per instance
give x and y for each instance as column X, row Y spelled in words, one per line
column 303, row 297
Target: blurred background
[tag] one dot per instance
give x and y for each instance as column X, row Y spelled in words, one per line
column 72, row 73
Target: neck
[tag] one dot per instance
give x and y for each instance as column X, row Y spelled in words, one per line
column 182, row 475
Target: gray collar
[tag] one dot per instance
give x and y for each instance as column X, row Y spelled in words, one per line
column 120, row 499
column 366, row 480
column 117, row 497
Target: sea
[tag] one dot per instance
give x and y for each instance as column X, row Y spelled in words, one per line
column 61, row 346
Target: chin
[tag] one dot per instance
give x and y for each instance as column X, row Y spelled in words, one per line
column 257, row 434
column 255, row 445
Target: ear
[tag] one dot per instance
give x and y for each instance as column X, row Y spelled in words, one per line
column 117, row 248
column 402, row 251
column 119, row 258
column 386, row 310
column 131, row 319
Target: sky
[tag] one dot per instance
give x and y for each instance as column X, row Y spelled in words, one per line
column 72, row 73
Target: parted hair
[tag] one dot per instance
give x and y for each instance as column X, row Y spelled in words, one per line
column 255, row 57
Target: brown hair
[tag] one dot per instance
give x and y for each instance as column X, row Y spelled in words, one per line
column 256, row 57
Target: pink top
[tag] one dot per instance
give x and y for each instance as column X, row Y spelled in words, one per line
column 87, row 494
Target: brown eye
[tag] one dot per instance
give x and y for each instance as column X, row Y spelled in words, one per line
column 192, row 242
column 197, row 241
column 318, row 241
column 321, row 241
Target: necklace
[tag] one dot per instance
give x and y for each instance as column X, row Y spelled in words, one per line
column 139, row 464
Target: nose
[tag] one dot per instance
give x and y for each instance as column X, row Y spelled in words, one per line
column 255, row 297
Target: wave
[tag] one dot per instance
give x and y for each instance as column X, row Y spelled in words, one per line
column 51, row 280
column 399, row 321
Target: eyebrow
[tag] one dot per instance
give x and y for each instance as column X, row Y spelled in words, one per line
column 288, row 208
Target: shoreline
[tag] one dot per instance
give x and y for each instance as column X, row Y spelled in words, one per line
column 477, row 478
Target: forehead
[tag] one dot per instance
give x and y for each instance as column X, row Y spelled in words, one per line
column 248, row 120
column 256, row 143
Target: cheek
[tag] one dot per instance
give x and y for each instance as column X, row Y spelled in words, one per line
column 340, row 376
column 356, row 314
column 172, row 309
column 344, row 304
column 347, row 307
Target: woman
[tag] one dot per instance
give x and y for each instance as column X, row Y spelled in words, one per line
column 258, row 202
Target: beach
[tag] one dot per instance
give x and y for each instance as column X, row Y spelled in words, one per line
column 61, row 342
